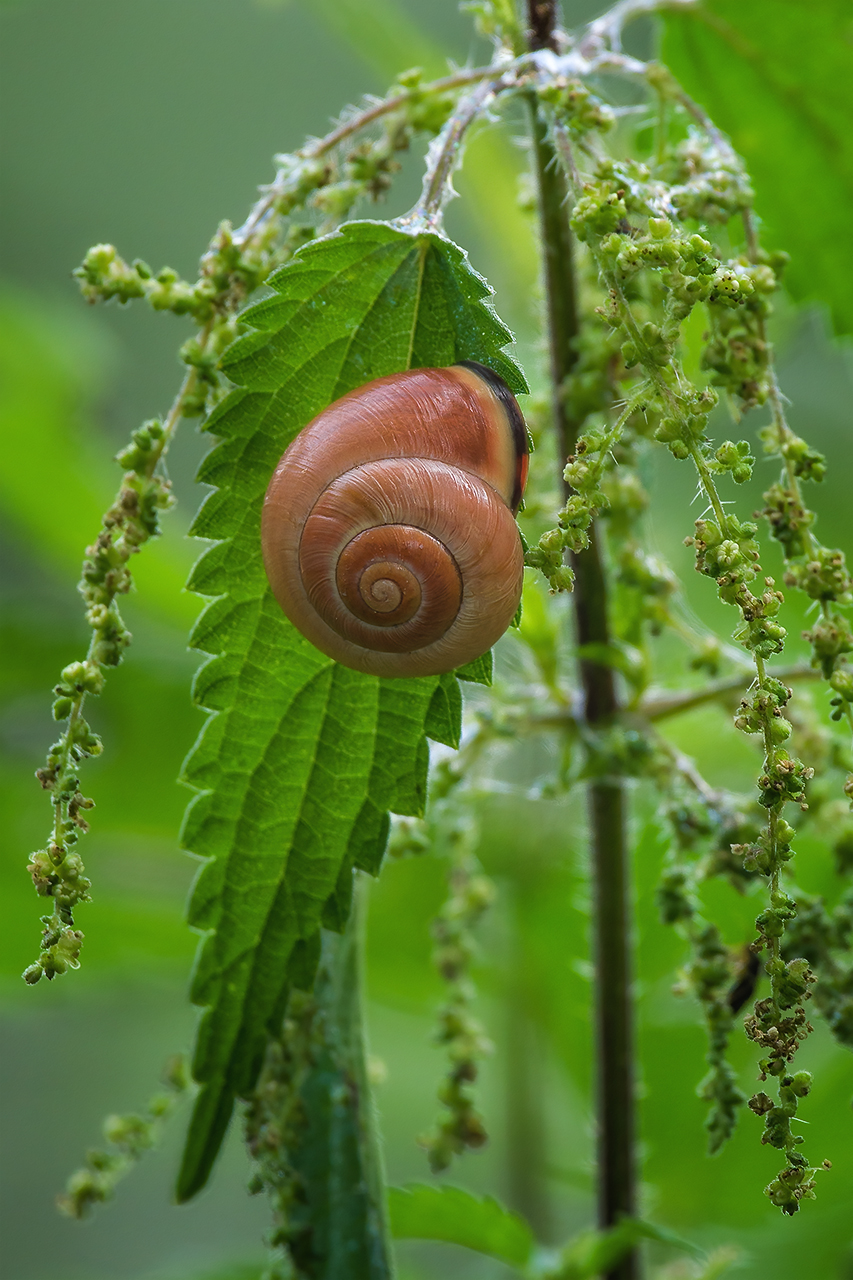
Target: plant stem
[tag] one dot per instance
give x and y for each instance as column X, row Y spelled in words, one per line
column 444, row 154
column 346, row 998
column 311, row 1128
column 360, row 120
column 664, row 705
column 615, row 1093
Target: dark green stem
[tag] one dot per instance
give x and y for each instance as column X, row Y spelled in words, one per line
column 310, row 1127
column 346, row 1006
column 615, row 1092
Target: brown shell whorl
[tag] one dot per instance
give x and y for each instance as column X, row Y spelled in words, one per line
column 391, row 563
column 389, row 574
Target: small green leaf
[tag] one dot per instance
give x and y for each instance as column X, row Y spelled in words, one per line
column 777, row 76
column 301, row 759
column 454, row 1215
column 622, row 657
column 480, row 671
column 593, row 1253
column 444, row 717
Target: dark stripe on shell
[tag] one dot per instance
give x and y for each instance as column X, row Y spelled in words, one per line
column 515, row 419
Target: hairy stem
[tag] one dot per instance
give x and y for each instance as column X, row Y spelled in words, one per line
column 615, row 1096
column 346, row 1004
column 445, row 153
column 662, row 706
column 310, row 1127
column 319, row 147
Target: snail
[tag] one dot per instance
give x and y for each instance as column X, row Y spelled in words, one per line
column 388, row 529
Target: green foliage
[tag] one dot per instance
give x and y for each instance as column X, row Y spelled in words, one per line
column 456, row 1216
column 302, row 758
column 653, row 272
column 778, row 78
column 309, row 1132
column 595, row 1253
column 235, row 264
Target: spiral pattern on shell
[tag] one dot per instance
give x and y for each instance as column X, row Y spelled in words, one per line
column 388, row 529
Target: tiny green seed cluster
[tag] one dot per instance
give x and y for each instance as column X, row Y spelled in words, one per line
column 57, row 870
column 129, row 1137
column 452, row 832
column 721, row 981
column 685, row 272
column 653, row 265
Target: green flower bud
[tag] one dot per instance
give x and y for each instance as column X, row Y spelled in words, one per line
column 780, row 729
column 842, row 682
column 563, row 578
column 551, row 541
column 727, row 454
column 801, row 1084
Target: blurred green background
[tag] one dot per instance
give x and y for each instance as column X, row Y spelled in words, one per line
column 144, row 124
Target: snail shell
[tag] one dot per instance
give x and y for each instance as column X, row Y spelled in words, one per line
column 388, row 528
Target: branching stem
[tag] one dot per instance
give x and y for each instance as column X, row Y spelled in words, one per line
column 445, row 154
column 361, row 120
column 663, row 706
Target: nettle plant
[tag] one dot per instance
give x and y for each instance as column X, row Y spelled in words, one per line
column 646, row 223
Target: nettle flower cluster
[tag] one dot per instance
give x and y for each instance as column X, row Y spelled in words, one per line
column 654, row 254
column 451, row 831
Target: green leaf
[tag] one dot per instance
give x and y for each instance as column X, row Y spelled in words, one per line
column 777, row 76
column 480, row 671
column 593, row 1253
column 452, row 1214
column 444, row 717
column 302, row 759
